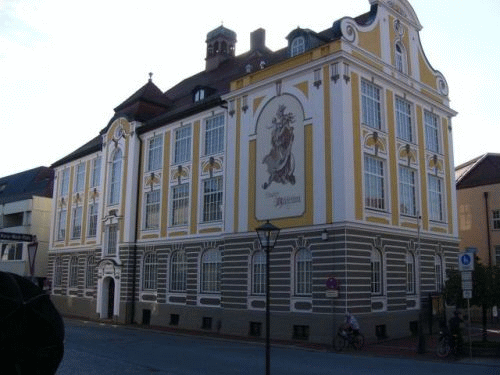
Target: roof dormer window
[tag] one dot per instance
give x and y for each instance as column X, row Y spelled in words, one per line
column 298, row 46
column 199, row 95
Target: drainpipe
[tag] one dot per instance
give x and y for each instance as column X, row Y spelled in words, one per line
column 136, row 232
column 488, row 226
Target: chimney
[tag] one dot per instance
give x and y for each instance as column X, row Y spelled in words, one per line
column 258, row 39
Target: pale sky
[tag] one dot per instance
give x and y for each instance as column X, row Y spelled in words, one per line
column 64, row 65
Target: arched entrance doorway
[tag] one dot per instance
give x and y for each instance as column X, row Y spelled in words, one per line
column 108, row 298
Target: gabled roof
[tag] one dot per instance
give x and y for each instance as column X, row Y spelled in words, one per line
column 24, row 185
column 483, row 170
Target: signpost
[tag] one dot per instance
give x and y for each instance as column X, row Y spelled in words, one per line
column 466, row 266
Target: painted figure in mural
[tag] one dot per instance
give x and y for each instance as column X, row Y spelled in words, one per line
column 280, row 161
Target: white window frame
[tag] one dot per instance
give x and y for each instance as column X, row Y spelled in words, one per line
column 61, row 225
column 298, row 46
column 115, row 178
column 73, row 272
column 407, row 191
column 371, row 103
column 400, row 60
column 178, row 272
column 155, row 153
column 375, row 180
column 259, row 273
column 79, row 178
column 303, row 273
column 152, row 201
column 95, row 179
column 64, row 182
column 411, row 285
column 438, row 272
column 377, row 273
column 93, row 215
column 76, row 230
column 90, row 272
column 150, row 272
column 111, row 240
column 211, row 271
column 214, row 134
column 495, row 219
column 182, row 144
column 213, row 199
column 180, row 204
column 432, row 138
column 58, row 271
column 436, row 198
column 404, row 118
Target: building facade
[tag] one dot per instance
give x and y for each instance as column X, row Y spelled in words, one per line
column 478, row 197
column 342, row 139
column 25, row 212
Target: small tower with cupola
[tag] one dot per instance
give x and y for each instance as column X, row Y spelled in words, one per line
column 220, row 47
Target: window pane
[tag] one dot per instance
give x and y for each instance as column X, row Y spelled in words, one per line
column 214, row 135
column 298, row 46
column 61, row 232
column 65, row 182
column 92, row 220
column 212, row 199
column 303, row 274
column 149, row 272
column 180, row 204
column 152, row 210
column 115, row 183
column 370, row 98
column 112, row 239
column 77, row 222
column 436, row 198
column 374, row 183
column 96, row 172
column 403, row 119
column 182, row 145
column 90, row 273
column 73, row 272
column 496, row 219
column 155, row 153
column 259, row 273
column 407, row 191
column 179, row 272
column 80, row 177
column 431, row 132
column 211, row 271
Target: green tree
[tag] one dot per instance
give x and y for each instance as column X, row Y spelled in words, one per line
column 485, row 292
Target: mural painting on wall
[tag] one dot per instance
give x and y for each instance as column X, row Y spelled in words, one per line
column 280, row 159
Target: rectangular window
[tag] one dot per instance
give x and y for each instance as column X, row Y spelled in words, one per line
column 180, row 204
column 496, row 219
column 92, row 220
column 403, row 120
column 155, row 151
column 12, row 251
column 431, row 132
column 371, row 104
column 497, row 253
column 407, row 191
column 212, row 199
column 436, row 198
column 77, row 222
column 61, row 226
column 182, row 147
column 65, row 182
column 95, row 180
column 80, row 177
column 376, row 273
column 214, row 135
column 152, row 217
column 111, row 239
column 374, row 183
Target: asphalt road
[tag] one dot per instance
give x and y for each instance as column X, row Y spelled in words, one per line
column 93, row 348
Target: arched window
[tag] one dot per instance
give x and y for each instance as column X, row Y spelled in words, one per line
column 73, row 272
column 210, row 277
column 303, row 272
column 58, row 272
column 259, row 273
column 90, row 273
column 216, row 48
column 223, row 47
column 376, row 272
column 438, row 268
column 298, row 46
column 115, row 178
column 150, row 267
column 410, row 274
column 400, row 57
column 178, row 272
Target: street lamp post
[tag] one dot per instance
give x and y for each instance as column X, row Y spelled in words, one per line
column 268, row 235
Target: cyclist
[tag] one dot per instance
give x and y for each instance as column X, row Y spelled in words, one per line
column 455, row 330
column 351, row 323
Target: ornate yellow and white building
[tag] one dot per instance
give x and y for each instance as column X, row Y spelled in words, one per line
column 342, row 139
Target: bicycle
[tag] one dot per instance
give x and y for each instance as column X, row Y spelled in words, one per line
column 348, row 338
